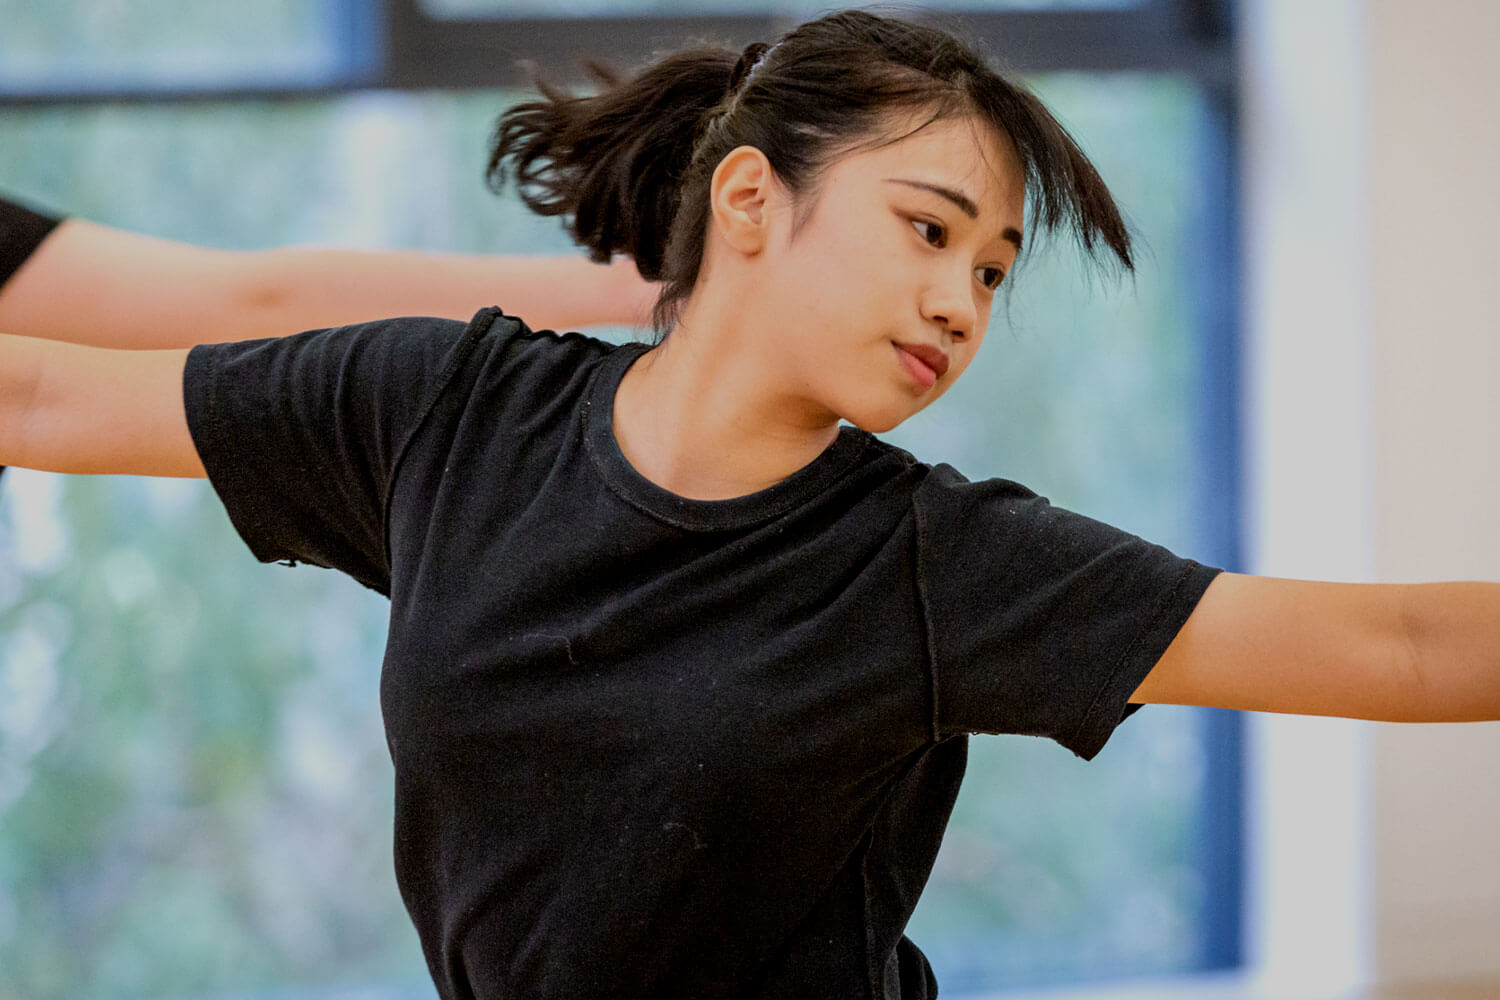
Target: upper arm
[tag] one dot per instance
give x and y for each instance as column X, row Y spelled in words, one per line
column 93, row 284
column 96, row 410
column 1305, row 647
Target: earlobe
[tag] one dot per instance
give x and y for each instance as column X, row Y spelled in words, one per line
column 738, row 193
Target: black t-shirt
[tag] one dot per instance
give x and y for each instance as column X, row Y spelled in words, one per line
column 648, row 746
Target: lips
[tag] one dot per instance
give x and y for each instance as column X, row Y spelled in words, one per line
column 932, row 357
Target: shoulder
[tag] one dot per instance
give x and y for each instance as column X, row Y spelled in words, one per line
column 538, row 365
column 490, row 348
column 549, row 346
column 490, row 330
column 946, row 498
column 943, row 483
column 938, row 483
column 935, row 490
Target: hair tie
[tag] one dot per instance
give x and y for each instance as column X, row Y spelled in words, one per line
column 752, row 57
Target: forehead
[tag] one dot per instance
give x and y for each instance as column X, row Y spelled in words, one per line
column 961, row 153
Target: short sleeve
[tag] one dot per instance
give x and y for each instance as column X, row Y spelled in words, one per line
column 1041, row 621
column 301, row 436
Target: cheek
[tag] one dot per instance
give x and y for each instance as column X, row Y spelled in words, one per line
column 831, row 300
column 852, row 262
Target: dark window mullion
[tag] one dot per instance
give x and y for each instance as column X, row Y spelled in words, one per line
column 393, row 44
column 1178, row 35
column 426, row 52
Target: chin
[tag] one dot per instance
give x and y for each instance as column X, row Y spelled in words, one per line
column 876, row 421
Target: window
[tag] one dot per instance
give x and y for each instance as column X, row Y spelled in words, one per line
column 91, row 46
column 194, row 787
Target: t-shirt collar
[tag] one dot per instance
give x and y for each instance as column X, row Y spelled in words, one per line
column 684, row 512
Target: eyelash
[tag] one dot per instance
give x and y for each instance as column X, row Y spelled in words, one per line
column 937, row 225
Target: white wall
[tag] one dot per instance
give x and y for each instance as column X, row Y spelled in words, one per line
column 1308, row 420
column 1371, row 143
column 1434, row 214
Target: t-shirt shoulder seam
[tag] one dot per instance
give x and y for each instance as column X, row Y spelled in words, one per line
column 929, row 637
column 483, row 323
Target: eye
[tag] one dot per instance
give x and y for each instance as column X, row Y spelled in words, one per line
column 993, row 277
column 924, row 224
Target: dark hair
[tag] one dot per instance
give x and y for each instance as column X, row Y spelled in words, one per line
column 632, row 163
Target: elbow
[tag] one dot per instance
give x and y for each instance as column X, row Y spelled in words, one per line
column 264, row 294
column 1415, row 695
column 1410, row 697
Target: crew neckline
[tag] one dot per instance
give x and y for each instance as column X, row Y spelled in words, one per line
column 685, row 512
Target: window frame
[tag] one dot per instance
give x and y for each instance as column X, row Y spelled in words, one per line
column 395, row 44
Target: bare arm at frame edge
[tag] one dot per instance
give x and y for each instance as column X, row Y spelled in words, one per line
column 93, row 284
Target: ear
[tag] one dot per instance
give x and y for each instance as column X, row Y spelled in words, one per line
column 738, row 192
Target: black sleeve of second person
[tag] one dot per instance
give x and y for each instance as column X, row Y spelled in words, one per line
column 22, row 230
column 1041, row 621
column 301, row 436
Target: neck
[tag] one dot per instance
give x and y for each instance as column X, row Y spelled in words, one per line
column 709, row 417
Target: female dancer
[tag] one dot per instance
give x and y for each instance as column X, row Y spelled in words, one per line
column 683, row 659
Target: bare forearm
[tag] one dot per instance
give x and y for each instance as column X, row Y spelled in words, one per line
column 1454, row 631
column 79, row 409
column 95, row 285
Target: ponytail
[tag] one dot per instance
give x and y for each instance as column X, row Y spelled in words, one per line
column 613, row 162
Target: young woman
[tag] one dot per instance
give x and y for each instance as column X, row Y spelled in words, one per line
column 683, row 659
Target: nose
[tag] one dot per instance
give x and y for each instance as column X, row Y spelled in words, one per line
column 951, row 303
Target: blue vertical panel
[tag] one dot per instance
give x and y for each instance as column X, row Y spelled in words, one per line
column 1221, row 846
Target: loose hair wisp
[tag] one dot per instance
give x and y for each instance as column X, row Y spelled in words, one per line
column 631, row 164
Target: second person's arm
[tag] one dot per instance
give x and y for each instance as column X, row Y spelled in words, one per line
column 92, row 284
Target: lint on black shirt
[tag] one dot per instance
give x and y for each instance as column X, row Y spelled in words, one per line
column 649, row 746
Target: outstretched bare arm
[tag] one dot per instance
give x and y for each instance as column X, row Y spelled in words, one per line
column 93, row 284
column 72, row 408
column 1421, row 652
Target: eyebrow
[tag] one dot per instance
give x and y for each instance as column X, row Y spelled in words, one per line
column 963, row 201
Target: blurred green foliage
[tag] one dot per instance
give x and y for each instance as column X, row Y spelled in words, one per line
column 194, row 789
